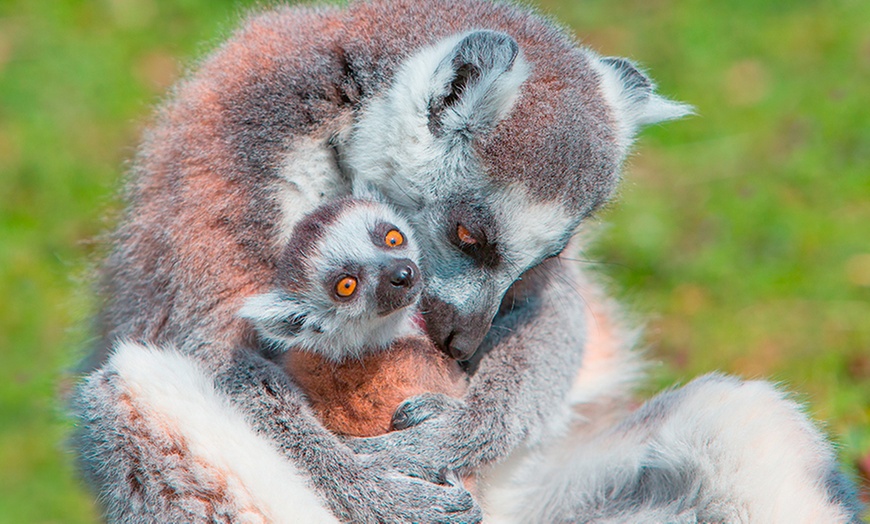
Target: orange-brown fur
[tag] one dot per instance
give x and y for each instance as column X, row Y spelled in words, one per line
column 358, row 397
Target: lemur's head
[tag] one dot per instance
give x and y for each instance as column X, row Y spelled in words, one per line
column 497, row 147
column 345, row 284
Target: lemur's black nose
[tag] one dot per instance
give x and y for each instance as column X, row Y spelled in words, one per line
column 399, row 285
column 403, row 275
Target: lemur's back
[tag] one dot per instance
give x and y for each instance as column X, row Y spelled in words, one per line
column 199, row 231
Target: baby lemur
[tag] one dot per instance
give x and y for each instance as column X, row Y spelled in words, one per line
column 342, row 317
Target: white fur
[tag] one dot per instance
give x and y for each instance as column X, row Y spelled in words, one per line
column 342, row 337
column 606, row 378
column 755, row 458
column 392, row 143
column 170, row 386
column 486, row 101
column 345, row 330
column 765, row 453
column 529, row 227
column 309, row 177
column 393, row 135
column 349, row 239
column 526, row 229
column 633, row 108
column 611, row 369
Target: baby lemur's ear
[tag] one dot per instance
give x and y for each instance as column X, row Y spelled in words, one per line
column 475, row 83
column 276, row 316
column 633, row 97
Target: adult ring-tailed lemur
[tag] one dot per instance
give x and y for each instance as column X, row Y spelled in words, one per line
column 496, row 135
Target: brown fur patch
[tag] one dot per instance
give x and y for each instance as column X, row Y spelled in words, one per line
column 358, row 397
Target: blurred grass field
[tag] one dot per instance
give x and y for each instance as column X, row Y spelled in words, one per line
column 741, row 234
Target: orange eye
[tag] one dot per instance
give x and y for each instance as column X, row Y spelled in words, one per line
column 394, row 238
column 345, row 287
column 465, row 235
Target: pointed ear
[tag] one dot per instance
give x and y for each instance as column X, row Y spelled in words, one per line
column 275, row 315
column 475, row 83
column 633, row 96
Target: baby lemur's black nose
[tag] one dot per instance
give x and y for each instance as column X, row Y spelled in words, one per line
column 403, row 275
column 399, row 286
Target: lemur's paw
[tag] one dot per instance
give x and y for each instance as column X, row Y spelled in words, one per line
column 396, row 497
column 422, row 407
column 435, row 439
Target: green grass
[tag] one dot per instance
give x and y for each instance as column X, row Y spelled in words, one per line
column 743, row 233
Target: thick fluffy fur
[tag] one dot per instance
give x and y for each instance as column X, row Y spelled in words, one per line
column 359, row 396
column 355, row 361
column 203, row 460
column 716, row 450
column 518, row 133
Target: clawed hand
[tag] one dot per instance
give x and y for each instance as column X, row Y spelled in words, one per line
column 431, row 437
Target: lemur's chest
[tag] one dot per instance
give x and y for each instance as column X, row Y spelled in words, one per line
column 358, row 397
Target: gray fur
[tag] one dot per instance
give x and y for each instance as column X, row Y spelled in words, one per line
column 330, row 465
column 135, row 487
column 530, row 145
column 509, row 401
column 670, row 462
column 468, row 104
column 339, row 239
column 142, row 478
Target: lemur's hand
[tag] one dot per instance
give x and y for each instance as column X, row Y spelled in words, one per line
column 420, row 408
column 434, row 434
column 400, row 498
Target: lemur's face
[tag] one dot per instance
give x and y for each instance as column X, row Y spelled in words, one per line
column 496, row 159
column 416, row 147
column 347, row 281
column 362, row 268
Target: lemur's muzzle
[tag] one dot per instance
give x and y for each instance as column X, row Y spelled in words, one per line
column 455, row 334
column 398, row 286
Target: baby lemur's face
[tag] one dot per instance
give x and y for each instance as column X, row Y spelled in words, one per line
column 346, row 283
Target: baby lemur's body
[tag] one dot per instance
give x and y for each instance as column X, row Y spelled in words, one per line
column 342, row 318
column 358, row 397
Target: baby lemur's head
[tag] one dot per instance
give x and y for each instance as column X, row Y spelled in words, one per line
column 346, row 283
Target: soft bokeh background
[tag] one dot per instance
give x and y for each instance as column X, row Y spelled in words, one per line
column 742, row 234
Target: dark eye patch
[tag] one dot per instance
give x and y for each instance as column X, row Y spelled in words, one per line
column 354, row 270
column 480, row 224
column 378, row 234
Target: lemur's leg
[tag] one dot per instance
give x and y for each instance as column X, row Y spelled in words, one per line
column 716, row 450
column 161, row 443
column 519, row 391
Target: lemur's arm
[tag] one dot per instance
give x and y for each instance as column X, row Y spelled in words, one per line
column 163, row 441
column 519, row 391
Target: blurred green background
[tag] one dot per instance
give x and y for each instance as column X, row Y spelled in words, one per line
column 741, row 234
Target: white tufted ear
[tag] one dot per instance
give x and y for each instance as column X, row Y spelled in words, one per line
column 276, row 316
column 633, row 98
column 443, row 95
column 475, row 83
